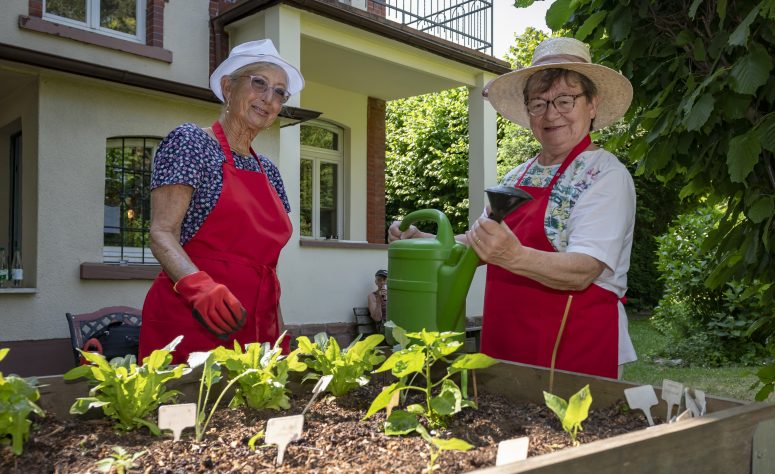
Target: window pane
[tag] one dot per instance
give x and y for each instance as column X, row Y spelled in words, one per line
column 119, row 15
column 73, row 9
column 328, row 204
column 127, row 199
column 319, row 137
column 305, row 217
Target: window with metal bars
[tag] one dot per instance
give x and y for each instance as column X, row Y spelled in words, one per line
column 127, row 200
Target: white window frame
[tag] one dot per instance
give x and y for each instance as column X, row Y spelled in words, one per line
column 318, row 156
column 92, row 22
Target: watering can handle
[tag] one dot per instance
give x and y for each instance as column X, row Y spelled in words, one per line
column 444, row 232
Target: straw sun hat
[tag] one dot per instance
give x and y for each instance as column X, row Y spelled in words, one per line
column 255, row 52
column 505, row 92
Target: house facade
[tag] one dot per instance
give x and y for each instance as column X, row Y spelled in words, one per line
column 86, row 95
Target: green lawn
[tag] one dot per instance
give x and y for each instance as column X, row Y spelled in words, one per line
column 730, row 382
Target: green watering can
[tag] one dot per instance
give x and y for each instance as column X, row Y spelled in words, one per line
column 428, row 279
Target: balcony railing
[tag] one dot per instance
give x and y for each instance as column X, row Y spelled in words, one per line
column 464, row 22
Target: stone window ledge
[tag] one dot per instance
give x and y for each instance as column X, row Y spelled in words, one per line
column 115, row 271
column 341, row 244
column 63, row 31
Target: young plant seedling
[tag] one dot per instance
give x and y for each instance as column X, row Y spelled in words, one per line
column 17, row 401
column 512, row 450
column 177, row 417
column 126, row 392
column 572, row 412
column 438, row 445
column 671, row 394
column 642, row 398
column 120, row 461
column 348, row 367
column 416, row 361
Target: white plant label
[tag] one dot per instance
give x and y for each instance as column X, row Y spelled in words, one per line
column 512, row 450
column 699, row 398
column 177, row 417
column 686, row 415
column 283, row 430
column 671, row 394
column 691, row 404
column 319, row 387
column 642, row 398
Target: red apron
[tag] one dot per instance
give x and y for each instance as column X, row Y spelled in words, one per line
column 522, row 317
column 238, row 245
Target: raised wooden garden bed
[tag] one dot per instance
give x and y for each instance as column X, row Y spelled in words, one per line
column 732, row 437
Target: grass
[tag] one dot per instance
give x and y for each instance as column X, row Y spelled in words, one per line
column 729, row 382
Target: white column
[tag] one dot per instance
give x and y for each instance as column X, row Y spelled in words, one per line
column 482, row 147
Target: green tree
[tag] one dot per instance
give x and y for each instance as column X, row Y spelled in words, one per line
column 704, row 95
column 426, row 158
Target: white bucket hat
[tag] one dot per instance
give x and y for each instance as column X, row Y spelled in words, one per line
column 505, row 92
column 254, row 52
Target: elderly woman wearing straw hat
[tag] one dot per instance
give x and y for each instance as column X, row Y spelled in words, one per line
column 220, row 214
column 557, row 266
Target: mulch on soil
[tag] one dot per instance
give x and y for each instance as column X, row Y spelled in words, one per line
column 335, row 440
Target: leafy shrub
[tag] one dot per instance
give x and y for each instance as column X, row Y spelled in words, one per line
column 705, row 326
column 126, row 392
column 264, row 386
column 348, row 366
column 17, row 401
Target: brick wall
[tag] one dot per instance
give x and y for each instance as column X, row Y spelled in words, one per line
column 344, row 333
column 376, row 8
column 375, row 172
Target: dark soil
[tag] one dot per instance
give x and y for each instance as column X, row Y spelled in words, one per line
column 335, row 440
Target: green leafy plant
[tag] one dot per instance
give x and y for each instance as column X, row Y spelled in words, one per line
column 262, row 371
column 416, row 361
column 348, row 366
column 211, row 376
column 120, row 460
column 17, row 400
column 572, row 412
column 126, row 392
column 438, row 445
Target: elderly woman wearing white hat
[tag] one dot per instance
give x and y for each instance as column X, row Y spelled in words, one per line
column 557, row 266
column 220, row 214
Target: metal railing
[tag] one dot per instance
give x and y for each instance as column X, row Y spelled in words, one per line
column 464, row 22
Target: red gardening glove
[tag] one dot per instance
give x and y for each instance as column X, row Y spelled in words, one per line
column 213, row 305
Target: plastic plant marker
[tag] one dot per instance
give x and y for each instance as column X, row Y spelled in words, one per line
column 392, row 403
column 686, row 415
column 699, row 398
column 512, row 450
column 671, row 394
column 177, row 417
column 642, row 398
column 319, row 387
column 283, row 430
column 691, row 404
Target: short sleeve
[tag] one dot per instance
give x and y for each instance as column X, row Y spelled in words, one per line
column 179, row 158
column 602, row 220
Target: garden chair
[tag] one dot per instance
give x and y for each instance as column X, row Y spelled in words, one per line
column 97, row 325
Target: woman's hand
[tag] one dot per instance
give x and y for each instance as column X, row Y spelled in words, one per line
column 494, row 242
column 394, row 233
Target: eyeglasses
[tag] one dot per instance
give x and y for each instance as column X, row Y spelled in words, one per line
column 260, row 86
column 563, row 103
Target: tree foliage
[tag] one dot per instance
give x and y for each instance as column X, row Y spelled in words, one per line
column 426, row 160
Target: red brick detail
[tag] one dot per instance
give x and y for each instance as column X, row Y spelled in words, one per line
column 376, row 8
column 36, row 8
column 375, row 172
column 221, row 38
column 154, row 23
